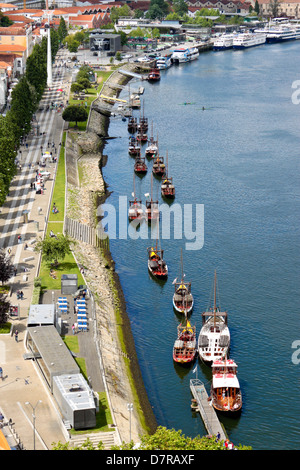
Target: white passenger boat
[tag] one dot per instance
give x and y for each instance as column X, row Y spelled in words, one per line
column 180, row 55
column 223, row 42
column 193, row 53
column 281, row 33
column 226, row 394
column 214, row 337
column 164, row 62
column 245, row 40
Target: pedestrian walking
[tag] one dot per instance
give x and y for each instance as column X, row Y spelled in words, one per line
column 1, row 373
column 73, row 329
column 16, row 335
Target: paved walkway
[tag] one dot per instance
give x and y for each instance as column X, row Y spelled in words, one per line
column 22, row 382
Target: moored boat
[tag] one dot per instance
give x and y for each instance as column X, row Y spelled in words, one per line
column 183, row 300
column 167, row 186
column 214, row 336
column 156, row 264
column 159, row 167
column 152, row 210
column 226, row 395
column 184, row 349
column 154, row 75
column 164, row 62
column 193, row 53
column 152, row 148
column 223, row 42
column 135, row 211
column 246, row 40
column 132, row 124
column 140, row 166
column 134, row 149
column 180, row 55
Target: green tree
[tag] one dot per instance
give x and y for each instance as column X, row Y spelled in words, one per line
column 180, row 7
column 4, row 308
column 76, row 87
column 74, row 113
column 256, row 8
column 62, row 30
column 8, row 154
column 163, row 439
column 23, row 104
column 36, row 70
column 6, row 267
column 54, row 249
column 157, row 9
column 116, row 13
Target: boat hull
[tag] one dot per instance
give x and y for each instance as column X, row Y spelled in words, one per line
column 158, row 274
column 182, row 310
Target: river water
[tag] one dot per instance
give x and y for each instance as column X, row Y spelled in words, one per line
column 239, row 160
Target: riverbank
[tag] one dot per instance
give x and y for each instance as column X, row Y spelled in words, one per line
column 84, row 157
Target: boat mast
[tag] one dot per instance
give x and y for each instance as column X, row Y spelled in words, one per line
column 215, row 298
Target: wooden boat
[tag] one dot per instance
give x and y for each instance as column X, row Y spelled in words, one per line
column 134, row 148
column 152, row 211
column 152, row 149
column 142, row 137
column 214, row 336
column 167, row 186
column 140, row 166
column 159, row 168
column 225, row 395
column 154, row 75
column 156, row 264
column 185, row 346
column 183, row 300
column 135, row 211
column 132, row 124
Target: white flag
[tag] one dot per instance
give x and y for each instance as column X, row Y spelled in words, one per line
column 195, row 370
column 175, row 280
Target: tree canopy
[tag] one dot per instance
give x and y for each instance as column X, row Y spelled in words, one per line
column 162, row 439
column 54, row 249
column 75, row 113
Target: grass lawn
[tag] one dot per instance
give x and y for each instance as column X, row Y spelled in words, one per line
column 59, row 189
column 68, row 265
column 90, row 96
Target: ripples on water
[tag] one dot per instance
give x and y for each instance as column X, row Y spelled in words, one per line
column 240, row 158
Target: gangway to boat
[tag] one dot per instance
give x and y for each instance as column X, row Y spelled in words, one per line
column 208, row 414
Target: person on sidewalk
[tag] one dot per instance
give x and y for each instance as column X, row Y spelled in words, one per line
column 17, row 336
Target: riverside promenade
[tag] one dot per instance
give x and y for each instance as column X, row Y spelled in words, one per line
column 23, row 387
column 25, row 214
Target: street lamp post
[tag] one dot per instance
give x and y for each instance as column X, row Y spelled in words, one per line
column 33, row 418
column 130, row 409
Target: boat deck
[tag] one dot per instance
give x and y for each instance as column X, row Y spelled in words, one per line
column 208, row 414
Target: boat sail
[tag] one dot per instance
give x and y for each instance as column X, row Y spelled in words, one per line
column 226, row 395
column 214, row 337
column 183, row 300
column 185, row 346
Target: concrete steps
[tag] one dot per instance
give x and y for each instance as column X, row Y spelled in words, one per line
column 108, row 439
